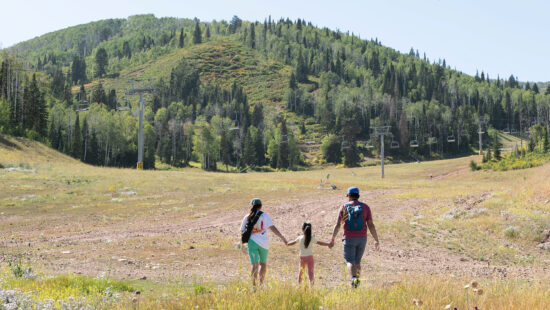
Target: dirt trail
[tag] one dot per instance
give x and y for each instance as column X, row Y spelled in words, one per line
column 450, row 174
column 189, row 250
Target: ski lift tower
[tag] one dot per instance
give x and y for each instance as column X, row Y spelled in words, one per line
column 480, row 122
column 135, row 91
column 382, row 131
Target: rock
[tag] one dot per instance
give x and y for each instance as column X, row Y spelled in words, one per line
column 143, row 278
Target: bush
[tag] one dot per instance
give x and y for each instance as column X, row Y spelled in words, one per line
column 473, row 166
column 331, row 149
column 511, row 232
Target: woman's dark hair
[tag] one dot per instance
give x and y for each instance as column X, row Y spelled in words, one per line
column 306, row 227
column 253, row 210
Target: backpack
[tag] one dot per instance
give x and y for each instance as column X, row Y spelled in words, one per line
column 355, row 219
column 245, row 235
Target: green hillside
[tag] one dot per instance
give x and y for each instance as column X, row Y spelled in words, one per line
column 235, row 94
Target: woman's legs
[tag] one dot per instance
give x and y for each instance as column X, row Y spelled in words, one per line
column 254, row 274
column 258, row 258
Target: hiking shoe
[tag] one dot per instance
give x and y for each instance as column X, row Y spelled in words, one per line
column 354, row 282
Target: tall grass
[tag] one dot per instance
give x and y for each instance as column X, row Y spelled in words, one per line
column 434, row 293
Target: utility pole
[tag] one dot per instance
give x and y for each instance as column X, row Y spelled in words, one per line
column 140, row 91
column 480, row 122
column 382, row 131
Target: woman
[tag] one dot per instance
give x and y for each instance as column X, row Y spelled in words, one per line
column 258, row 243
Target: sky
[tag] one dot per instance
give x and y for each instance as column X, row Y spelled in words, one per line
column 499, row 37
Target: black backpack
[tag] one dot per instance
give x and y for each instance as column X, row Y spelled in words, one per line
column 249, row 226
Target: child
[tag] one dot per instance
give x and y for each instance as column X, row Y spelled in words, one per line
column 306, row 254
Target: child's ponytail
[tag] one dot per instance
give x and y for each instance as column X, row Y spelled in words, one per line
column 306, row 227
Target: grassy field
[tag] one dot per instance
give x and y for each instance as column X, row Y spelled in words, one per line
column 95, row 236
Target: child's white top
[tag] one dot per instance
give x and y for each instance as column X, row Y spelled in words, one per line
column 303, row 250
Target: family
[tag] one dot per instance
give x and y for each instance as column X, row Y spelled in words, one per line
column 354, row 215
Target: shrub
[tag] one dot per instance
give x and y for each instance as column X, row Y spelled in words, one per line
column 331, row 149
column 473, row 166
column 511, row 232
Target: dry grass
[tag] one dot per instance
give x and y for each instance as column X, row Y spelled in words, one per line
column 172, row 226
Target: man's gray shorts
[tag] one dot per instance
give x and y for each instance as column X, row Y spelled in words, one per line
column 354, row 249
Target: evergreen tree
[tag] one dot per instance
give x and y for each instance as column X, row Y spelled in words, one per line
column 101, row 61
column 111, row 101
column 76, row 151
column 54, row 142
column 546, row 142
column 126, row 51
column 182, row 39
column 197, row 35
column 57, row 84
column 249, row 156
column 207, row 32
column 98, row 94
column 496, row 146
column 331, row 149
column 532, row 144
column 92, row 154
column 85, row 142
column 536, row 88
column 35, row 114
column 301, row 69
column 225, row 150
column 257, row 116
column 259, row 147
column 252, row 40
column 282, row 154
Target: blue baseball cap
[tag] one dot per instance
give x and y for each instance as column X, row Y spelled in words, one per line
column 353, row 190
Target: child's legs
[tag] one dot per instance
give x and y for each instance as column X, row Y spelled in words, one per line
column 310, row 268
column 303, row 265
column 306, row 262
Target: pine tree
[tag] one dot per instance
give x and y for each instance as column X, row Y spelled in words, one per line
column 249, row 157
column 54, row 142
column 197, row 35
column 536, row 88
column 282, row 154
column 76, row 151
column 182, row 39
column 126, row 51
column 546, row 143
column 101, row 61
column 85, row 141
column 92, row 155
column 207, row 32
column 98, row 94
column 257, row 118
column 259, row 147
column 225, row 151
column 252, row 41
column 496, row 146
column 301, row 69
column 35, row 114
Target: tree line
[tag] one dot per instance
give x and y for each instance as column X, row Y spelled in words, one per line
column 339, row 81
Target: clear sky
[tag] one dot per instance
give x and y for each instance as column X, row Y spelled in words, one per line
column 499, row 37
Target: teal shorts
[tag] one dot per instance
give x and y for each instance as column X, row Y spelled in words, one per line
column 257, row 253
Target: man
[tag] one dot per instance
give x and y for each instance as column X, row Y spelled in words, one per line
column 356, row 217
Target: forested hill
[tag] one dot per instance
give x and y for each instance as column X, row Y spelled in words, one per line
column 239, row 94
